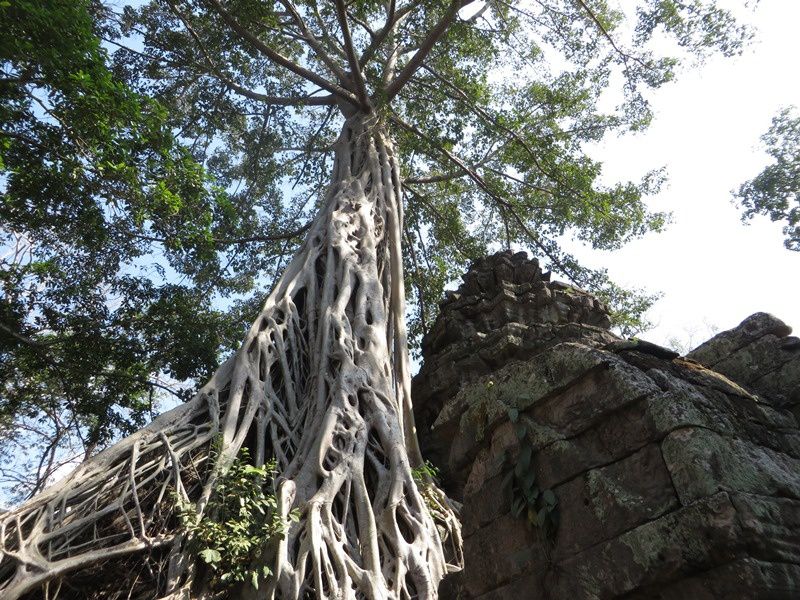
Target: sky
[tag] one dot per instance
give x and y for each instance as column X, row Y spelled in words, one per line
column 713, row 270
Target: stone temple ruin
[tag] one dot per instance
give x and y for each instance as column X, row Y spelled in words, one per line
column 660, row 476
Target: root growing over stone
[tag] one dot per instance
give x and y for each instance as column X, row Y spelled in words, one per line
column 320, row 384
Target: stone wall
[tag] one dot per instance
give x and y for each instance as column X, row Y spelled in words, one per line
column 671, row 480
column 505, row 310
column 760, row 355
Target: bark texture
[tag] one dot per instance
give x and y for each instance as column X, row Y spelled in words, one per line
column 320, row 384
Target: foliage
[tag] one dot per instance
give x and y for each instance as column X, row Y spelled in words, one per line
column 239, row 523
column 426, row 476
column 628, row 307
column 426, row 472
column 775, row 191
column 159, row 163
column 109, row 266
column 540, row 507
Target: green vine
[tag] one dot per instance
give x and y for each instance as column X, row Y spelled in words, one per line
column 426, row 476
column 540, row 507
column 425, row 473
column 240, row 521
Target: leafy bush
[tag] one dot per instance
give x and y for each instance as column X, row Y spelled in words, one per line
column 240, row 521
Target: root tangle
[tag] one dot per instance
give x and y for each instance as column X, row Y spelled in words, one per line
column 321, row 385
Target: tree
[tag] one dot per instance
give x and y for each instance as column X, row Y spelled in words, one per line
column 85, row 162
column 103, row 210
column 775, row 191
column 440, row 146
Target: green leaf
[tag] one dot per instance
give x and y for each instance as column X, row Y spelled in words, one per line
column 528, row 479
column 541, row 515
column 210, row 556
column 258, row 471
column 517, row 506
column 525, row 454
column 507, row 479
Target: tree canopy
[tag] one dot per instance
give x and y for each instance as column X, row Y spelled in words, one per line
column 775, row 192
column 160, row 163
column 92, row 176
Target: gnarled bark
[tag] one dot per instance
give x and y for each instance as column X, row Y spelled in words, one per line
column 321, row 385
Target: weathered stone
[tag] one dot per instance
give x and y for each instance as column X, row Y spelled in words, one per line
column 782, row 385
column 673, row 480
column 644, row 347
column 694, row 538
column 563, row 392
column 485, row 504
column 771, row 527
column 500, row 291
column 760, row 355
column 605, row 502
column 727, row 342
column 622, row 432
column 523, row 588
column 609, row 387
column 452, row 586
column 685, row 405
column 744, row 578
column 689, row 370
column 764, row 355
column 702, row 463
column 619, row 434
column 499, row 552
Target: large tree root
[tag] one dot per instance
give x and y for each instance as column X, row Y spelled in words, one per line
column 321, row 385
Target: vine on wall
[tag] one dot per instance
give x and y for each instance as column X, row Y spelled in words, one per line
column 538, row 506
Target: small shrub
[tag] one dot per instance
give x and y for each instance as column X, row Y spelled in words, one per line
column 240, row 521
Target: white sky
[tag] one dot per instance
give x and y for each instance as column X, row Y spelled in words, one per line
column 713, row 270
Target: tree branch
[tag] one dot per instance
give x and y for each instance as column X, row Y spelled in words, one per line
column 502, row 204
column 266, row 238
column 456, row 237
column 352, row 59
column 278, row 58
column 439, row 178
column 230, row 241
column 625, row 56
column 312, row 41
column 392, row 19
column 24, row 339
column 239, row 89
column 491, row 120
column 427, row 45
column 364, row 25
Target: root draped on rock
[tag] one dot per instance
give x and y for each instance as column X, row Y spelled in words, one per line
column 320, row 385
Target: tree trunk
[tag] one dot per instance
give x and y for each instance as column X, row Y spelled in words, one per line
column 321, row 384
